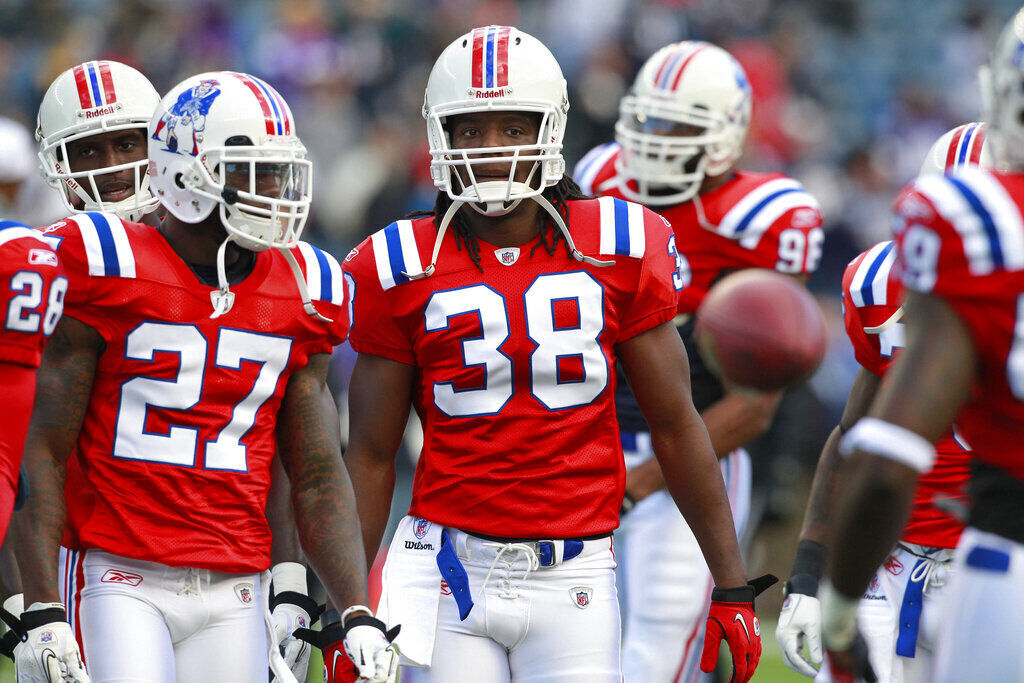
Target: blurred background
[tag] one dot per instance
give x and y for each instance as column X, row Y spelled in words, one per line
column 848, row 96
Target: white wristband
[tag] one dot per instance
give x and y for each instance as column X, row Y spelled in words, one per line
column 887, row 440
column 353, row 609
column 838, row 619
column 289, row 576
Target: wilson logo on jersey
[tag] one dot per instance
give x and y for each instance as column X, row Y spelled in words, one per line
column 121, row 577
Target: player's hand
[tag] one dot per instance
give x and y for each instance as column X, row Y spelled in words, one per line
column 290, row 611
column 800, row 623
column 366, row 642
column 846, row 653
column 732, row 617
column 48, row 652
column 10, row 624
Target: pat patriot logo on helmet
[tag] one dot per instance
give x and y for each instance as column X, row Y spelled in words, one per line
column 185, row 121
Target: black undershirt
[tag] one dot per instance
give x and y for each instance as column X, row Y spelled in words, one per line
column 236, row 272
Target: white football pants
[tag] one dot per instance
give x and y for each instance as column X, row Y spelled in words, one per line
column 878, row 615
column 557, row 624
column 979, row 637
column 666, row 584
column 142, row 622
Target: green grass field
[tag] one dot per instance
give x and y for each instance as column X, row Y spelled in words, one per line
column 771, row 669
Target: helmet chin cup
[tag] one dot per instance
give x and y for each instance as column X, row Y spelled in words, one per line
column 491, row 198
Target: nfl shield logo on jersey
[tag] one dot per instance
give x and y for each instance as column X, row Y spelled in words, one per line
column 581, row 595
column 507, row 255
column 420, row 527
column 244, row 591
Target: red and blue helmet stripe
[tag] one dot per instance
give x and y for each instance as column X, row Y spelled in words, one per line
column 490, row 57
column 275, row 111
column 965, row 146
column 95, row 84
column 672, row 67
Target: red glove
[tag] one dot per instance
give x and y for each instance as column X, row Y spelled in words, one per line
column 338, row 668
column 732, row 617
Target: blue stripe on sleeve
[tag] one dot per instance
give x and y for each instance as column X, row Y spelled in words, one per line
column 866, row 289
column 621, row 227
column 111, row 266
column 395, row 258
column 326, row 284
column 987, row 223
column 745, row 223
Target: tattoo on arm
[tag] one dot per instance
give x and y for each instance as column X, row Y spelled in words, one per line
column 309, row 443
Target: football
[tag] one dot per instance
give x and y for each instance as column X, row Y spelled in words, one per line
column 760, row 329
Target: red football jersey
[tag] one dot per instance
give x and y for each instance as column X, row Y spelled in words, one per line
column 32, row 290
column 754, row 220
column 872, row 295
column 961, row 237
column 173, row 458
column 515, row 376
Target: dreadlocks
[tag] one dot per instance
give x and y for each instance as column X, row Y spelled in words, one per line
column 564, row 191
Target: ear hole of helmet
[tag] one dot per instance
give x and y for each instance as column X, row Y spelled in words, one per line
column 178, row 181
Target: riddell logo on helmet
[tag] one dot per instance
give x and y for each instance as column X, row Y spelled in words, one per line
column 488, row 94
column 99, row 111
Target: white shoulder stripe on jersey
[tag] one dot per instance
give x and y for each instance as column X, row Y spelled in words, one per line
column 323, row 275
column 740, row 217
column 987, row 220
column 15, row 233
column 872, row 277
column 395, row 253
column 107, row 247
column 622, row 228
column 773, row 211
column 591, row 164
column 1005, row 229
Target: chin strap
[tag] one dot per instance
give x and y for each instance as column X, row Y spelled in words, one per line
column 698, row 206
column 307, row 304
column 223, row 298
column 544, row 203
column 893, row 319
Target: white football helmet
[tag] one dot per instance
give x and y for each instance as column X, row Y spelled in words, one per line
column 686, row 118
column 496, row 68
column 213, row 139
column 1002, row 96
column 965, row 145
column 227, row 140
column 89, row 99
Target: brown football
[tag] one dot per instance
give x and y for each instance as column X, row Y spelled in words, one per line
column 761, row 329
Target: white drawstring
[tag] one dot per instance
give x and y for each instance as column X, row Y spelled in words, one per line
column 193, row 583
column 925, row 571
column 533, row 562
column 540, row 199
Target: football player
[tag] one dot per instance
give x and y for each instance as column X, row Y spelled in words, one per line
column 188, row 354
column 32, row 291
column 960, row 247
column 91, row 130
column 897, row 608
column 499, row 316
column 680, row 131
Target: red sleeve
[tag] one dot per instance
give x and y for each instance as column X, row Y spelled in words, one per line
column 18, row 387
column 656, row 295
column 374, row 328
column 80, row 302
column 32, row 292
